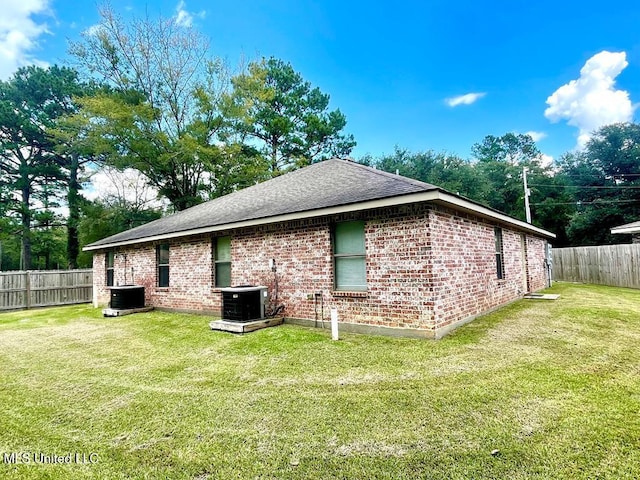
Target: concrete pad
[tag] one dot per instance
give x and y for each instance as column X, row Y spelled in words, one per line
column 542, row 296
column 115, row 312
column 244, row 327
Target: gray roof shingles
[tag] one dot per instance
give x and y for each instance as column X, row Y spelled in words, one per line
column 326, row 184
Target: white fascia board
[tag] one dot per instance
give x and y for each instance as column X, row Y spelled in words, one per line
column 435, row 196
column 472, row 207
column 624, row 230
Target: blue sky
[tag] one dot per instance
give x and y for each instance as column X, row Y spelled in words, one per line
column 429, row 75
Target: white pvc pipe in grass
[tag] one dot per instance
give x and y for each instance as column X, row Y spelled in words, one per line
column 334, row 323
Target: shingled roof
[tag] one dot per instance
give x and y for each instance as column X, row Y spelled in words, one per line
column 310, row 191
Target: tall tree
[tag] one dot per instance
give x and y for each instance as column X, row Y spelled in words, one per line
column 9, row 229
column 500, row 162
column 49, row 226
column 511, row 148
column 606, row 182
column 30, row 101
column 125, row 200
column 162, row 116
column 273, row 106
column 552, row 202
column 447, row 171
column 75, row 150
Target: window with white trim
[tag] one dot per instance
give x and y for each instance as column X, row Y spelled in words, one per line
column 349, row 258
column 223, row 262
column 109, row 266
column 162, row 260
column 499, row 253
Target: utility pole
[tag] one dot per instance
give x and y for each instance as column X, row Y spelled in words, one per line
column 527, row 192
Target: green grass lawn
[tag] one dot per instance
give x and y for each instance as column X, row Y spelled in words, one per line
column 535, row 390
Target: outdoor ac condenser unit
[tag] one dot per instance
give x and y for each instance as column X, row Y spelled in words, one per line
column 126, row 297
column 243, row 304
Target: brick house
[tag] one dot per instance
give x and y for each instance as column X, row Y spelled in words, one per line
column 391, row 254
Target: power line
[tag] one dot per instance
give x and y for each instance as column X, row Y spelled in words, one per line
column 623, row 187
column 600, row 175
column 578, row 203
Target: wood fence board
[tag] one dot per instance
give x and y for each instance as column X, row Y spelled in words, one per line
column 615, row 265
column 45, row 288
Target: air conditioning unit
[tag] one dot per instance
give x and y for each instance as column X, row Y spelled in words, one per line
column 127, row 297
column 244, row 304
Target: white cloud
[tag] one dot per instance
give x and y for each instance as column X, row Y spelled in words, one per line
column 536, row 136
column 129, row 185
column 19, row 33
column 592, row 100
column 93, row 30
column 183, row 17
column 546, row 160
column 466, row 99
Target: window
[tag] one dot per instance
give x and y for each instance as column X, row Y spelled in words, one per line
column 109, row 267
column 349, row 257
column 162, row 259
column 223, row 262
column 499, row 253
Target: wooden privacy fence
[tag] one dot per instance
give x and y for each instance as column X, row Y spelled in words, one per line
column 43, row 288
column 615, row 265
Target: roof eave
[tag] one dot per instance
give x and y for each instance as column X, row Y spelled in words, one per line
column 435, row 196
column 463, row 204
column 627, row 230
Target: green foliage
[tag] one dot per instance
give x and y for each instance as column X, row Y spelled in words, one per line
column 30, row 102
column 447, row 171
column 168, row 109
column 606, row 184
column 158, row 110
column 48, row 239
column 127, row 137
column 100, row 220
column 493, row 179
column 552, row 203
column 10, row 244
column 49, row 252
column 500, row 163
column 511, row 148
column 75, row 150
column 161, row 115
column 580, row 198
column 273, row 106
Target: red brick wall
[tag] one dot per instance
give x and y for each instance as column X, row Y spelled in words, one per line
column 399, row 273
column 190, row 274
column 464, row 267
column 536, row 249
column 302, row 252
column 100, row 292
column 427, row 268
column 397, row 254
